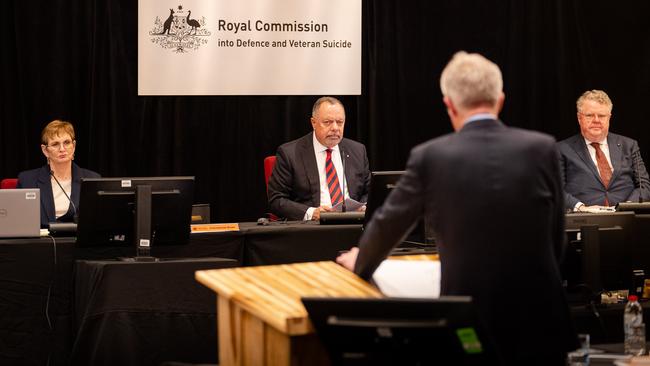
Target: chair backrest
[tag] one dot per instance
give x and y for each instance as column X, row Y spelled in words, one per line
column 8, row 183
column 269, row 163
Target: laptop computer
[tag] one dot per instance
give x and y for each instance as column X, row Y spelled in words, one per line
column 20, row 213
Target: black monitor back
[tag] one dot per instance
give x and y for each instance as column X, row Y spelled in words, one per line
column 398, row 331
column 107, row 205
column 381, row 184
column 602, row 259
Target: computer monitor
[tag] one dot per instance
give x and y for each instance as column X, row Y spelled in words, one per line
column 381, row 184
column 602, row 254
column 606, row 263
column 400, row 331
column 601, row 251
column 141, row 211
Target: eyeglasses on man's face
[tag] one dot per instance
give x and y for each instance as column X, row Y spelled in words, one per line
column 67, row 144
column 593, row 116
column 330, row 122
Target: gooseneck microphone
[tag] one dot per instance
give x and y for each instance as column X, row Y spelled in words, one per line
column 637, row 172
column 343, row 208
column 74, row 208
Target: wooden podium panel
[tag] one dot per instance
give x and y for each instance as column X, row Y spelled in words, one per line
column 261, row 319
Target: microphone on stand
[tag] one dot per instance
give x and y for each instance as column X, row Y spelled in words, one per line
column 343, row 209
column 637, row 172
column 74, row 208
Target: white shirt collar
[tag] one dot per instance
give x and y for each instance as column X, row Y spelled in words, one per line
column 602, row 142
column 318, row 147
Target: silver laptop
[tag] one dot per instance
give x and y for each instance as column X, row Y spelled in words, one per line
column 20, row 213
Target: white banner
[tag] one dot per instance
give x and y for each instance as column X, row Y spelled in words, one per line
column 249, row 47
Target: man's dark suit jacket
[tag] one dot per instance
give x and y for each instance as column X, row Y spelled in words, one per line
column 581, row 180
column 294, row 185
column 40, row 178
column 495, row 199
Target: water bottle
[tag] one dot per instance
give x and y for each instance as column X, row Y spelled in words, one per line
column 634, row 327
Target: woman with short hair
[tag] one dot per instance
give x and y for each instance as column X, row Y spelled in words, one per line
column 60, row 179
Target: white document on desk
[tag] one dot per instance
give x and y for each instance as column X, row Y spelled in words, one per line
column 415, row 279
column 350, row 205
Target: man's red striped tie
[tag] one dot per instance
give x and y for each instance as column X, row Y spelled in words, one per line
column 332, row 180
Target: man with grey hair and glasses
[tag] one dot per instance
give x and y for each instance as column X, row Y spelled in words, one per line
column 600, row 169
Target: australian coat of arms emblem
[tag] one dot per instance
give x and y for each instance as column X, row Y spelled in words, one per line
column 180, row 32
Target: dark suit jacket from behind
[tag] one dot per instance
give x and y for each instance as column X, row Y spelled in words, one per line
column 294, row 185
column 495, row 199
column 581, row 180
column 40, row 178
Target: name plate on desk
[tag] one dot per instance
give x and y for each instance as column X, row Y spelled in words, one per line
column 213, row 228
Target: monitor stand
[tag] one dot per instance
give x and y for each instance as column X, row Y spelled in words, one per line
column 142, row 226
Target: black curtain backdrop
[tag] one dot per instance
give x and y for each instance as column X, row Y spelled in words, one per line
column 77, row 60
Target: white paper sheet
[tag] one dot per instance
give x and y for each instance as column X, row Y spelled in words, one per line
column 350, row 205
column 415, row 279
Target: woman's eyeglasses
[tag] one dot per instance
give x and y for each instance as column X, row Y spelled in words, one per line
column 67, row 144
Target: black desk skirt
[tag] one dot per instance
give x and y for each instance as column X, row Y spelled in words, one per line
column 36, row 275
column 293, row 242
column 35, row 301
column 134, row 313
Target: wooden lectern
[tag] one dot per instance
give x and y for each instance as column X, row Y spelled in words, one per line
column 261, row 320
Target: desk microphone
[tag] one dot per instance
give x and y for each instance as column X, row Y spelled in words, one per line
column 343, row 209
column 74, row 208
column 637, row 172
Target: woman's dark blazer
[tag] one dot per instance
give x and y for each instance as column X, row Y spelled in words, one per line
column 40, row 178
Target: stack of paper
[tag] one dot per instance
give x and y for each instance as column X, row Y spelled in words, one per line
column 416, row 279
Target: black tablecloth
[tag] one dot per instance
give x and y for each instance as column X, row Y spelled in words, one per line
column 35, row 301
column 130, row 313
column 281, row 243
column 37, row 321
